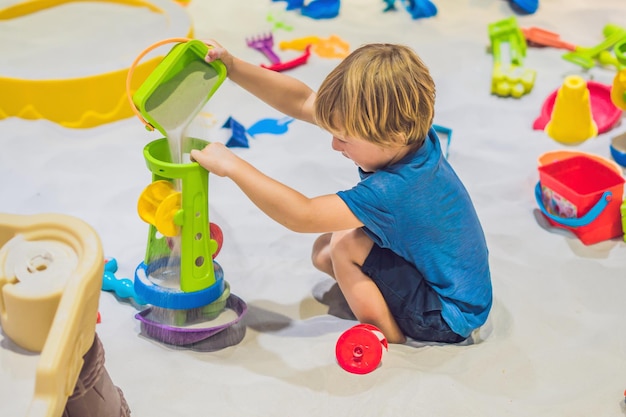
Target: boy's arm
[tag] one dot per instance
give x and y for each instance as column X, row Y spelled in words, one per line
column 283, row 204
column 286, row 94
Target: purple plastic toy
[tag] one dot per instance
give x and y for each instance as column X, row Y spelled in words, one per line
column 181, row 336
column 264, row 44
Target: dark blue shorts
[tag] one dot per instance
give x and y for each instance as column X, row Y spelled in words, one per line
column 412, row 302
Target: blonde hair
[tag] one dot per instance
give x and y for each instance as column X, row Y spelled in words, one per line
column 382, row 93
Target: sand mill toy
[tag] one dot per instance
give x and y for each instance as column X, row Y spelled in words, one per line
column 190, row 299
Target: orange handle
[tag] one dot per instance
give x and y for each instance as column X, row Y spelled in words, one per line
column 546, row 38
column 131, row 70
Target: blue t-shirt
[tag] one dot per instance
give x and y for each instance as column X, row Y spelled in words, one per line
column 419, row 209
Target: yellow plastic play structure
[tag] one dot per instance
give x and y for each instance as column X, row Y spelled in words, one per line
column 90, row 100
column 51, row 268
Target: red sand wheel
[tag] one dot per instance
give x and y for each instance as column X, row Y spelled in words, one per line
column 216, row 234
column 359, row 349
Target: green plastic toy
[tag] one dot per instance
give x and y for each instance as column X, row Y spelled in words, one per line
column 166, row 96
column 173, row 213
column 175, row 204
column 587, row 57
column 509, row 77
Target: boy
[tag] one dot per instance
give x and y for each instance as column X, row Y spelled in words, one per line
column 405, row 244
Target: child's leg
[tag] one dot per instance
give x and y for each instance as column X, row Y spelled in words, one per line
column 341, row 256
column 320, row 255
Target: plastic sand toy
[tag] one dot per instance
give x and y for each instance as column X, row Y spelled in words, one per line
column 122, row 287
column 85, row 100
column 421, row 8
column 618, row 149
column 526, row 6
column 270, row 126
column 508, row 47
column 618, row 90
column 264, row 44
column 571, row 121
column 50, row 273
column 541, row 37
column 332, row 47
column 359, row 350
column 181, row 84
column 604, row 113
column 582, row 195
column 417, row 8
column 179, row 277
column 587, row 57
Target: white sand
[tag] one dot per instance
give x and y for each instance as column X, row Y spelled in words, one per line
column 554, row 344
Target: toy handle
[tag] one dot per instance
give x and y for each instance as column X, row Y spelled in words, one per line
column 591, row 215
column 579, row 59
column 620, row 51
column 131, row 70
column 283, row 66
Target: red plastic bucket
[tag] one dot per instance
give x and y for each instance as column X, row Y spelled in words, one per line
column 583, row 195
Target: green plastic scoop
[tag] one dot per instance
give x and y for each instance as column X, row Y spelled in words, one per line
column 179, row 87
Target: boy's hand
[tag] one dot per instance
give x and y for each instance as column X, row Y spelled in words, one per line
column 217, row 51
column 215, row 158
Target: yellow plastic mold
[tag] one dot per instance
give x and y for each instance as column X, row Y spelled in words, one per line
column 87, row 101
column 572, row 122
column 51, row 269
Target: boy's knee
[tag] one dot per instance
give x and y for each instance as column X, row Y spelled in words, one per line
column 353, row 245
column 320, row 259
column 341, row 242
column 320, row 254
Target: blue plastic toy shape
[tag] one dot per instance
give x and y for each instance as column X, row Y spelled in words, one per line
column 293, row 4
column 421, row 8
column 417, row 8
column 122, row 287
column 448, row 132
column 525, row 6
column 321, row 9
column 238, row 139
column 317, row 9
column 391, row 5
column 271, row 126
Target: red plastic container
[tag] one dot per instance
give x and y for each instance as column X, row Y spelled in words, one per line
column 583, row 195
